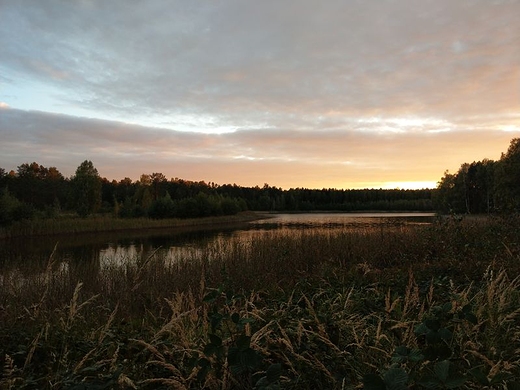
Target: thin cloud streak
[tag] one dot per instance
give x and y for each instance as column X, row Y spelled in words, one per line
column 285, row 158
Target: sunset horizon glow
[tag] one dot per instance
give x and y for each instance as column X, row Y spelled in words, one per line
column 345, row 95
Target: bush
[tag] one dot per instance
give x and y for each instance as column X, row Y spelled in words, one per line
column 11, row 209
column 230, row 206
column 162, row 208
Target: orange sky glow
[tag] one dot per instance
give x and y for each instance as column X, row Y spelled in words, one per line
column 342, row 94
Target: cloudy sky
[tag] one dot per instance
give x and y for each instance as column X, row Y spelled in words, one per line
column 339, row 93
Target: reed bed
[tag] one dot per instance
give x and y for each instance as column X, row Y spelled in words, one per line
column 93, row 224
column 394, row 307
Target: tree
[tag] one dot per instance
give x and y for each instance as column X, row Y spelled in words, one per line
column 8, row 205
column 162, row 208
column 480, row 178
column 28, row 184
column 509, row 176
column 145, row 180
column 86, row 185
column 11, row 209
column 451, row 194
column 156, row 180
column 4, row 178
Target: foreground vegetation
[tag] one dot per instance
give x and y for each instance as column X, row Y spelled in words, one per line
column 399, row 307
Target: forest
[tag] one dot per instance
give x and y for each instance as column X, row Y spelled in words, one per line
column 35, row 191
column 484, row 186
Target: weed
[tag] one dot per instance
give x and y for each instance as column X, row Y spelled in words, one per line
column 384, row 308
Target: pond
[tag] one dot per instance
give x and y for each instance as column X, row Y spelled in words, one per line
column 31, row 255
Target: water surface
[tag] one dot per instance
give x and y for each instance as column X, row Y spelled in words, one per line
column 108, row 250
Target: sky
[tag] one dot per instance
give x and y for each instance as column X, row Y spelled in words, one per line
column 332, row 94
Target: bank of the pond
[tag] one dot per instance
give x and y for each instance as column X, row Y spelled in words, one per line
column 99, row 224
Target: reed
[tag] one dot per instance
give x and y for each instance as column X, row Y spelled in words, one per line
column 94, row 224
column 312, row 309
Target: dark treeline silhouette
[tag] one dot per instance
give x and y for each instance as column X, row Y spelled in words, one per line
column 485, row 186
column 36, row 191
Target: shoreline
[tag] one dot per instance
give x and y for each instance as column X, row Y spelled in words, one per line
column 93, row 225
column 73, row 226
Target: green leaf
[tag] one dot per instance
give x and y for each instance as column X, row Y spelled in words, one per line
column 243, row 342
column 396, row 379
column 421, row 329
column 515, row 385
column 466, row 309
column 215, row 320
column 210, row 349
column 400, row 354
column 262, row 383
column 501, row 377
column 201, row 375
column 433, row 324
column 211, row 296
column 203, row 362
column 205, row 367
column 273, row 372
column 430, row 382
column 442, row 370
column 415, row 356
column 470, row 317
column 433, row 337
column 446, row 308
column 229, row 296
column 403, row 354
column 402, row 350
column 450, row 380
column 235, row 317
column 214, row 347
column 438, row 352
column 373, row 382
column 479, row 375
column 454, row 381
column 217, row 341
column 241, row 361
column 445, row 334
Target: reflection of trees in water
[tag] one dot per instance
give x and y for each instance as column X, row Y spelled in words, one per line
column 89, row 258
column 84, row 266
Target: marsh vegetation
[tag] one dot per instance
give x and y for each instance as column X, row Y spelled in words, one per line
column 386, row 306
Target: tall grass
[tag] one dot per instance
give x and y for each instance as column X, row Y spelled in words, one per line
column 306, row 309
column 93, row 224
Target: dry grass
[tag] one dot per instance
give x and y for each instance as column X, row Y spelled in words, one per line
column 327, row 306
column 93, row 224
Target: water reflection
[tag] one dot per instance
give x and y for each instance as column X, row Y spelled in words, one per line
column 99, row 252
column 332, row 220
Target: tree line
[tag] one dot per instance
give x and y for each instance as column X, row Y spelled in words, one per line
column 485, row 186
column 35, row 191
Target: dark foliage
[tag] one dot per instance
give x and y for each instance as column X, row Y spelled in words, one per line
column 482, row 187
column 44, row 192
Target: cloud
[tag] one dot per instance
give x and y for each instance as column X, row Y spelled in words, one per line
column 347, row 92
column 236, row 62
column 285, row 158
